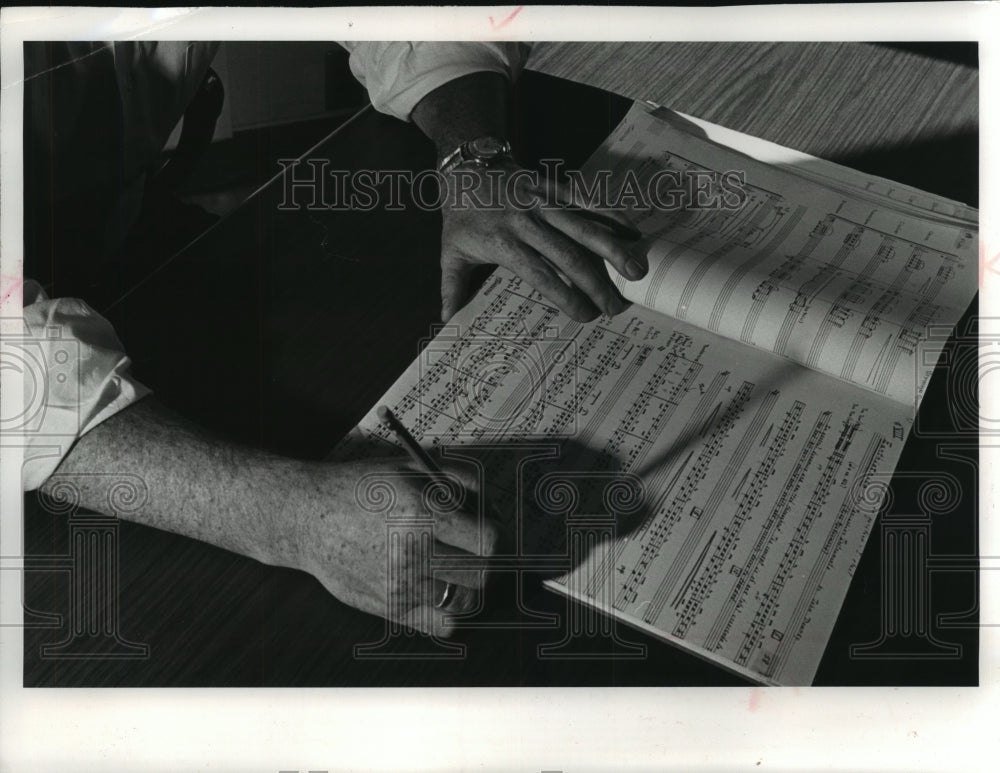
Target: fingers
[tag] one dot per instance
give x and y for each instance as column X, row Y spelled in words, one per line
column 456, row 589
column 531, row 266
column 581, row 266
column 460, row 523
column 424, row 596
column 599, row 239
column 473, row 578
column 453, row 598
column 557, row 245
column 429, row 620
column 456, row 284
column 442, row 599
column 577, row 232
column 470, row 533
column 525, row 261
column 570, row 199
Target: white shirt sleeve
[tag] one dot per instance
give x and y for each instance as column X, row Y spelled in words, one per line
column 76, row 375
column 399, row 74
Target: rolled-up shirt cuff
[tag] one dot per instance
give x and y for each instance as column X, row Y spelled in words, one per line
column 399, row 74
column 76, row 375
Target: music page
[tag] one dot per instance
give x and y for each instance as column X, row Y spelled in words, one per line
column 714, row 494
column 845, row 278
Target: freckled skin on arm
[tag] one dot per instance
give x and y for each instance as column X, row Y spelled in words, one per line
column 282, row 512
column 197, row 485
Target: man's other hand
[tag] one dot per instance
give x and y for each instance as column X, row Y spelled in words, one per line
column 559, row 249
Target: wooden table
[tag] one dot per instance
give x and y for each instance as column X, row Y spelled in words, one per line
column 280, row 328
column 833, row 100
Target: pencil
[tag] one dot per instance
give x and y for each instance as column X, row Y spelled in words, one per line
column 419, row 455
column 413, row 448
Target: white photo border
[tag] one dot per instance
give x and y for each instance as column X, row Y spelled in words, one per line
column 272, row 730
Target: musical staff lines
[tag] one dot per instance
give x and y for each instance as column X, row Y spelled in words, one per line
column 732, row 531
column 810, row 588
column 663, row 524
column 781, row 274
column 746, row 232
column 809, row 290
column 706, row 513
column 787, row 223
column 765, row 614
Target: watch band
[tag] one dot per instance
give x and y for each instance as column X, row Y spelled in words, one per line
column 480, row 151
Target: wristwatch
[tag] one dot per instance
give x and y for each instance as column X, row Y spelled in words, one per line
column 481, row 151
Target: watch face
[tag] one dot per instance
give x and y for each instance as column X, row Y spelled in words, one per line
column 486, row 147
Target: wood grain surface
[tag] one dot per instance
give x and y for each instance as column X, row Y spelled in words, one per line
column 828, row 99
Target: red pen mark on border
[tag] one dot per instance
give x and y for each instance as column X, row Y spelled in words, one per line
column 505, row 22
column 15, row 283
column 985, row 265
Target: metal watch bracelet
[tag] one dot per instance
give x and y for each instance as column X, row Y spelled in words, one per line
column 480, row 151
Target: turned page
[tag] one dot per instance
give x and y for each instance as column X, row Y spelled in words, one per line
column 838, row 271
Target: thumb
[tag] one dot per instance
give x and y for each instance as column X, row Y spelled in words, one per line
column 456, row 280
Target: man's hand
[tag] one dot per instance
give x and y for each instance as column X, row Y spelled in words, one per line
column 536, row 243
column 339, row 522
column 497, row 216
column 370, row 531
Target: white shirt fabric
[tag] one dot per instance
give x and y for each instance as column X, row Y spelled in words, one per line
column 76, row 375
column 398, row 74
column 76, row 359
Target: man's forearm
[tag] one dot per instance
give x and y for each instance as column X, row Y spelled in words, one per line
column 472, row 106
column 303, row 515
column 196, row 485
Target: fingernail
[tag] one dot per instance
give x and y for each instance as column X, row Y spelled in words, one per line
column 634, row 269
column 616, row 306
column 585, row 311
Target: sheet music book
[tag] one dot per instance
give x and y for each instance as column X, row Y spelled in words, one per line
column 720, row 450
